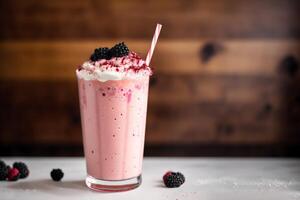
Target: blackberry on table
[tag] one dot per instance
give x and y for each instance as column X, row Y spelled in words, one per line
column 23, row 169
column 13, row 174
column 57, row 174
column 173, row 179
column 182, row 178
column 3, row 172
column 2, row 164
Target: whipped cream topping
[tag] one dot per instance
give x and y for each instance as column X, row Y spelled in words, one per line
column 118, row 68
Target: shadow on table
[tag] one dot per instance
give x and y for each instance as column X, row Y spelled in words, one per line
column 159, row 184
column 49, row 186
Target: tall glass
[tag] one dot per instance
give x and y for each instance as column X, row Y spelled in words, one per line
column 113, row 118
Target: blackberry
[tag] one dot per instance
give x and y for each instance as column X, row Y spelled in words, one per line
column 13, row 174
column 8, row 167
column 2, row 164
column 101, row 53
column 173, row 179
column 23, row 169
column 57, row 174
column 119, row 50
column 3, row 172
column 182, row 178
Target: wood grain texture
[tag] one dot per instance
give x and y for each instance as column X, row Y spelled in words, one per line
column 67, row 19
column 47, row 112
column 239, row 57
column 236, row 97
column 227, row 72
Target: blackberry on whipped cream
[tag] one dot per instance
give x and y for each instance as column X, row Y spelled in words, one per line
column 101, row 53
column 119, row 50
column 117, row 63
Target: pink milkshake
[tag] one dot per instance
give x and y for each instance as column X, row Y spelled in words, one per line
column 113, row 92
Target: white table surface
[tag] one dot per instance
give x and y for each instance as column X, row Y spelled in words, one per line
column 206, row 179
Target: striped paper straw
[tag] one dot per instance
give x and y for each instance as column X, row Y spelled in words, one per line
column 153, row 44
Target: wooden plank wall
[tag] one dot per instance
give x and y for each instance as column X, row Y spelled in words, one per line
column 226, row 72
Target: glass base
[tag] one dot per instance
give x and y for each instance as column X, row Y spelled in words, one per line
column 113, row 186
